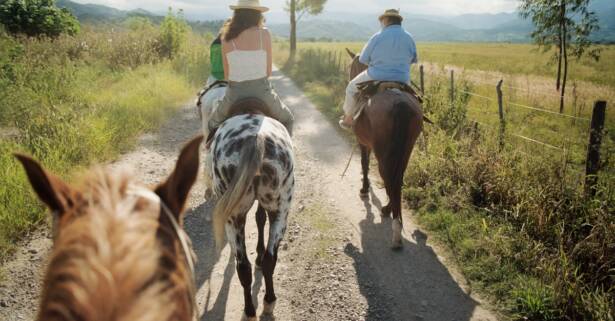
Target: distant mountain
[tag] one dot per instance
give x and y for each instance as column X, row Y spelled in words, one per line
column 95, row 12
column 352, row 26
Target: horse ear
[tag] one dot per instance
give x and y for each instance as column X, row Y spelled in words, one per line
column 174, row 191
column 52, row 191
column 350, row 53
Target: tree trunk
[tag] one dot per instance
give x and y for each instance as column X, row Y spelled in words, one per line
column 293, row 29
column 565, row 77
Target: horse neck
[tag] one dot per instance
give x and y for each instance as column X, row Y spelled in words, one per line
column 106, row 261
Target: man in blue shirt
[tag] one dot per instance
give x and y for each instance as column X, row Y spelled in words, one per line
column 388, row 55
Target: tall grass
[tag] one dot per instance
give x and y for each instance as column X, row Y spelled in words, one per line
column 516, row 218
column 79, row 100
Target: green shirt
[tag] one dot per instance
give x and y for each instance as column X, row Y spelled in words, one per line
column 215, row 57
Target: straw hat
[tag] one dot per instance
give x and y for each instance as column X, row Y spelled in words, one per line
column 249, row 4
column 391, row 13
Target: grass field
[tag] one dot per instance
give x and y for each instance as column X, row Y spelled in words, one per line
column 75, row 101
column 516, row 218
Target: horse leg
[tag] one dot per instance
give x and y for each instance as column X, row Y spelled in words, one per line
column 397, row 226
column 277, row 229
column 235, row 234
column 365, row 153
column 261, row 219
column 386, row 210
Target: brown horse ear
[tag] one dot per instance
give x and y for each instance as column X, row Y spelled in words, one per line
column 56, row 194
column 350, row 53
column 174, row 191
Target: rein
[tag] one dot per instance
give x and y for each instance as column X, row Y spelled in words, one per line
column 151, row 196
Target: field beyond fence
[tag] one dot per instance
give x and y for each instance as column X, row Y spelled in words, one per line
column 503, row 184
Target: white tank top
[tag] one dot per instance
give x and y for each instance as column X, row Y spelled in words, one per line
column 247, row 65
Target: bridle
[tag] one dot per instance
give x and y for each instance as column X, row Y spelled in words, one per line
column 147, row 194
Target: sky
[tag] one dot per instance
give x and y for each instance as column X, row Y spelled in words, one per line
column 429, row 7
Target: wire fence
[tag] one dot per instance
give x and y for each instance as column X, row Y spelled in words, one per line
column 338, row 62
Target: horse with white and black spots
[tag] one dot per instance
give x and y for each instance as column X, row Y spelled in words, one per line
column 251, row 159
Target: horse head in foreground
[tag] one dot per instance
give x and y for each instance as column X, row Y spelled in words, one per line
column 120, row 252
column 390, row 123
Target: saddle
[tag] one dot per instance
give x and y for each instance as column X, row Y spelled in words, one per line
column 371, row 88
column 246, row 106
column 216, row 84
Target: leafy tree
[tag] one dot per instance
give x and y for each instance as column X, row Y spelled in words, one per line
column 298, row 9
column 173, row 33
column 37, row 18
column 565, row 24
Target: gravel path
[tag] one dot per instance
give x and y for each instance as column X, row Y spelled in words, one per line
column 335, row 263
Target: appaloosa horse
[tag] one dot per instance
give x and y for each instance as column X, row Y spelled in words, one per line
column 389, row 125
column 120, row 253
column 251, row 160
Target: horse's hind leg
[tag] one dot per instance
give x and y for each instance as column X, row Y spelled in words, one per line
column 397, row 225
column 261, row 219
column 365, row 153
column 277, row 229
column 235, row 234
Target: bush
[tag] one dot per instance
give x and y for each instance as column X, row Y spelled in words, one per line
column 37, row 18
column 173, row 33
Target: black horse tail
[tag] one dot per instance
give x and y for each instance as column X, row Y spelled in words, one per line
column 398, row 154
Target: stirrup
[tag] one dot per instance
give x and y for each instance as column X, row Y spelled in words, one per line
column 344, row 125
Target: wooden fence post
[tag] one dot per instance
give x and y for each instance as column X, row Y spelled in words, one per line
column 592, row 165
column 452, row 86
column 422, row 75
column 501, row 111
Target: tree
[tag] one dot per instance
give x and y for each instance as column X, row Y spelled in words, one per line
column 298, row 9
column 35, row 18
column 567, row 25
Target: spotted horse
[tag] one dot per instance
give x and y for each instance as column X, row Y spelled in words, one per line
column 251, row 159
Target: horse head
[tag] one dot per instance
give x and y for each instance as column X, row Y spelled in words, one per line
column 356, row 67
column 120, row 251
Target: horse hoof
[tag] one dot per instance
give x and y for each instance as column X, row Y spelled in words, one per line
column 268, row 307
column 385, row 212
column 364, row 195
column 397, row 228
column 247, row 318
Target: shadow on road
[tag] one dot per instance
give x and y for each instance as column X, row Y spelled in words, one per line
column 411, row 284
column 201, row 234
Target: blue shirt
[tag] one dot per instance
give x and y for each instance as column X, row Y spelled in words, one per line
column 389, row 54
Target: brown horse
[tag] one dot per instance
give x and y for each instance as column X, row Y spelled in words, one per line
column 390, row 124
column 120, row 252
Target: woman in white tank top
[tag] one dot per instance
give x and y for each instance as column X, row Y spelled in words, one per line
column 247, row 56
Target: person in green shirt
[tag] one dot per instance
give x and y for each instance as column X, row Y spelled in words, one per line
column 216, row 60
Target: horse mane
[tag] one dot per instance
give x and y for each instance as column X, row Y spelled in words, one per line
column 108, row 262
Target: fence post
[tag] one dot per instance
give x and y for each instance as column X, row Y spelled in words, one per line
column 501, row 111
column 593, row 150
column 422, row 75
column 452, row 86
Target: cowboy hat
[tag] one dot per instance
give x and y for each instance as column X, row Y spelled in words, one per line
column 249, row 4
column 391, row 13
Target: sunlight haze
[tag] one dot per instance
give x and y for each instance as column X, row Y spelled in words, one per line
column 216, row 7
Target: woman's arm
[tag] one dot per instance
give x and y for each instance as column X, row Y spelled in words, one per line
column 268, row 47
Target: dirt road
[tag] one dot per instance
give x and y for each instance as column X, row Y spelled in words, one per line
column 335, row 263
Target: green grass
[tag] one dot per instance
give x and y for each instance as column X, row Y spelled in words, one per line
column 510, row 59
column 516, row 218
column 82, row 100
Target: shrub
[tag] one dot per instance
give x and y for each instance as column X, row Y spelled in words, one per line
column 173, row 33
column 37, row 18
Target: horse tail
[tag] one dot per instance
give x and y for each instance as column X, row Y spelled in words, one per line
column 249, row 164
column 397, row 154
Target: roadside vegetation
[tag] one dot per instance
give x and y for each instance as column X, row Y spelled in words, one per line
column 74, row 100
column 516, row 218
